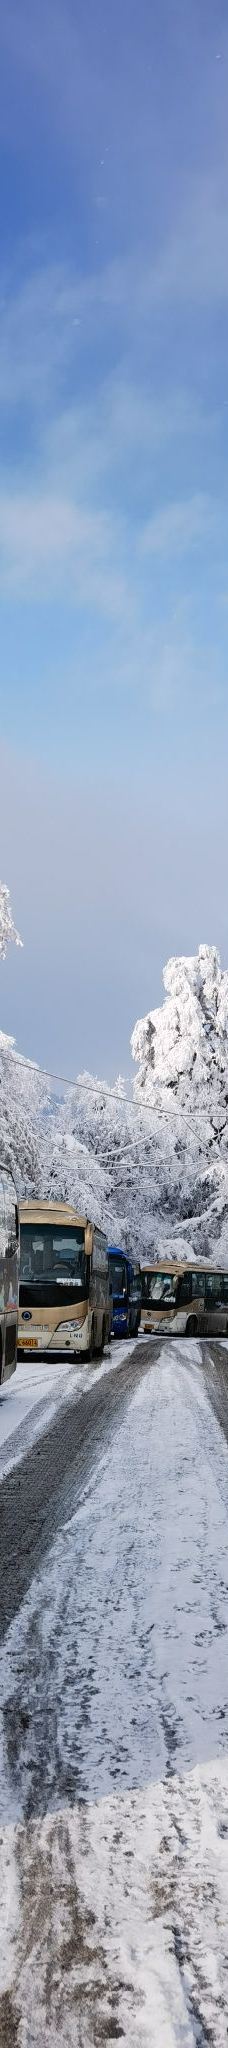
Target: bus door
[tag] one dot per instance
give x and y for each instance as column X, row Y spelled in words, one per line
column 216, row 1304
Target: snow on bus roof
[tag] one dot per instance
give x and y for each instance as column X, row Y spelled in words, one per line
column 182, row 1266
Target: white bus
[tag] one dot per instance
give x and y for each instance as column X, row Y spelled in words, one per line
column 9, row 1274
column 184, row 1299
column 65, row 1303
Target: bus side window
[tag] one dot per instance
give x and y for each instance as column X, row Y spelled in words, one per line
column 10, row 1214
column 214, row 1289
column 198, row 1284
column 225, row 1289
column 2, row 1222
column 184, row 1294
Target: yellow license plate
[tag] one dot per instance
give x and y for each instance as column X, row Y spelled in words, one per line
column 29, row 1342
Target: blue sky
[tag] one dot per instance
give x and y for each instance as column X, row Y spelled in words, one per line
column 113, row 508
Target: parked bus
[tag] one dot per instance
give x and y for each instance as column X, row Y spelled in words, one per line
column 125, row 1291
column 185, row 1299
column 64, row 1281
column 9, row 1274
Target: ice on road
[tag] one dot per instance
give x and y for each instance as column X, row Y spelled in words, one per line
column 114, row 1719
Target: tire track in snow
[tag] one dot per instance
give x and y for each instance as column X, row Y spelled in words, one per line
column 38, row 1493
column 119, row 1659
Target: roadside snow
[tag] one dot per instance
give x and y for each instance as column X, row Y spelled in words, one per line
column 114, row 1716
column 34, row 1393
column 121, row 1931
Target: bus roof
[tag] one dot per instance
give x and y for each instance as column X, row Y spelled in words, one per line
column 115, row 1251
column 193, row 1265
column 52, row 1212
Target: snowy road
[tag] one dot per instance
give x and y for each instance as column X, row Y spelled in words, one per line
column 114, row 1719
column 35, row 1392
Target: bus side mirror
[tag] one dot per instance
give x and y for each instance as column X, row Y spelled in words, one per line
column 88, row 1240
column 17, row 1223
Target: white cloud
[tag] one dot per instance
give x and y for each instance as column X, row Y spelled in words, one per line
column 122, row 422
column 49, row 321
column 179, row 526
column 38, row 336
column 51, row 317
column 191, row 265
column 49, row 545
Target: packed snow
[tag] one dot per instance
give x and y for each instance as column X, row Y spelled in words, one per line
column 114, row 1729
column 39, row 1387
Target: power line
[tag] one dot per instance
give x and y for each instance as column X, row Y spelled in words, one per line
column 110, row 1095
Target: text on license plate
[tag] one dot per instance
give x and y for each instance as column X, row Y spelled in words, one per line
column 31, row 1343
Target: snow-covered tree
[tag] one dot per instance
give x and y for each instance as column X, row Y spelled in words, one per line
column 155, row 1169
column 187, row 1039
column 86, row 1137
column 23, row 1099
column 8, row 931
column 22, row 1091
column 182, row 1055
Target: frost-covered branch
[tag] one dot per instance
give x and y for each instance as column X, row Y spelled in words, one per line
column 8, row 932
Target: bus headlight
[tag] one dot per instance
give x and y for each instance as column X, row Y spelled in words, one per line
column 71, row 1329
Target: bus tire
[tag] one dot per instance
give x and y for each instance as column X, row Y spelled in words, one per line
column 192, row 1327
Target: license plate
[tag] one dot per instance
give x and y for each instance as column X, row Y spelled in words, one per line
column 29, row 1342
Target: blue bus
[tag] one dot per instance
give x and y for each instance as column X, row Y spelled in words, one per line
column 125, row 1287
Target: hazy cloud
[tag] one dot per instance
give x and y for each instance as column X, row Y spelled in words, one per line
column 180, row 526
column 48, row 545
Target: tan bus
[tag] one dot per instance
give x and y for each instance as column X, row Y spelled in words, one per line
column 64, row 1281
column 9, row 1274
column 184, row 1299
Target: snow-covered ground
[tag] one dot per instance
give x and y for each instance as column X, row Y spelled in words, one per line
column 31, row 1397
column 114, row 1720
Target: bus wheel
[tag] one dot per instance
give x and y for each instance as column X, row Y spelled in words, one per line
column 192, row 1327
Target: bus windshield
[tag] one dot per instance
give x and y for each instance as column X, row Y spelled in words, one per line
column 52, row 1262
column 118, row 1277
column 159, row 1290
column 135, row 1288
